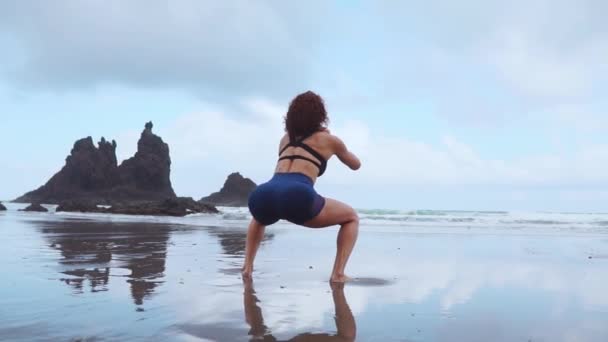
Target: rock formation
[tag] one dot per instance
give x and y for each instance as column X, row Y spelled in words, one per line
column 138, row 248
column 146, row 176
column 179, row 206
column 91, row 173
column 35, row 207
column 234, row 193
column 2, row 207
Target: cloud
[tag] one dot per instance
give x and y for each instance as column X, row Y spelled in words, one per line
column 213, row 142
column 207, row 47
column 402, row 161
column 537, row 70
column 586, row 118
column 489, row 62
column 476, row 62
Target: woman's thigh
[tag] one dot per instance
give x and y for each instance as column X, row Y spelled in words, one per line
column 334, row 212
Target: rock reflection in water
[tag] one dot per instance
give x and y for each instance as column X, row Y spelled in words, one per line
column 233, row 245
column 233, row 241
column 98, row 279
column 95, row 251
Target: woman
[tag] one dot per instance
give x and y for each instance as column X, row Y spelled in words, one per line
column 290, row 195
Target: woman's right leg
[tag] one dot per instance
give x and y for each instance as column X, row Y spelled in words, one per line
column 337, row 213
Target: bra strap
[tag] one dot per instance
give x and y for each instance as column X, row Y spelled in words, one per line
column 317, row 164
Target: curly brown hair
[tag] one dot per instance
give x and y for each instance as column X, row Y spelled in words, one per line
column 306, row 114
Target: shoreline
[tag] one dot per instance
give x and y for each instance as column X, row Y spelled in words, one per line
column 178, row 279
column 410, row 222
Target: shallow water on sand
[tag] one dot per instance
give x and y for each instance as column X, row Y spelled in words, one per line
column 98, row 279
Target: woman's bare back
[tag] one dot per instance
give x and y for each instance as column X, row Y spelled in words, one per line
column 324, row 143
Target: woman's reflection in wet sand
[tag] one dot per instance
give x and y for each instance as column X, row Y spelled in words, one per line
column 345, row 322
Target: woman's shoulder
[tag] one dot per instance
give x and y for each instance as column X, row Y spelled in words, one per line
column 328, row 136
column 325, row 133
column 329, row 140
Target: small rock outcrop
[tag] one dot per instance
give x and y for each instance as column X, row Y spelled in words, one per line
column 2, row 207
column 234, row 193
column 179, row 206
column 91, row 173
column 35, row 207
column 79, row 206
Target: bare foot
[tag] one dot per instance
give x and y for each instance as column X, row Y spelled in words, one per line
column 340, row 278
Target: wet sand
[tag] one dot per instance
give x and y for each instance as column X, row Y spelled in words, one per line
column 77, row 278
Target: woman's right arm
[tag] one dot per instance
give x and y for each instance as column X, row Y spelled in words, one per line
column 346, row 156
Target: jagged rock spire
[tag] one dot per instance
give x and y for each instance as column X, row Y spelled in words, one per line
column 92, row 173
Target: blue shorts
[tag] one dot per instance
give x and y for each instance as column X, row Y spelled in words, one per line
column 287, row 196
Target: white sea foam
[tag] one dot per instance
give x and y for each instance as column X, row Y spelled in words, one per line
column 382, row 218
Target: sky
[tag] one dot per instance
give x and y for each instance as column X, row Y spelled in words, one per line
column 465, row 105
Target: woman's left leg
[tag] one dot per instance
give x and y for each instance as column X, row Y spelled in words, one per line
column 255, row 234
column 337, row 213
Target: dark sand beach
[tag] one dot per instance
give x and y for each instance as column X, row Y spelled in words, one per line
column 114, row 278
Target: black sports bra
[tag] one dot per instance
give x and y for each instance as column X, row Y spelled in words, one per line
column 321, row 163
